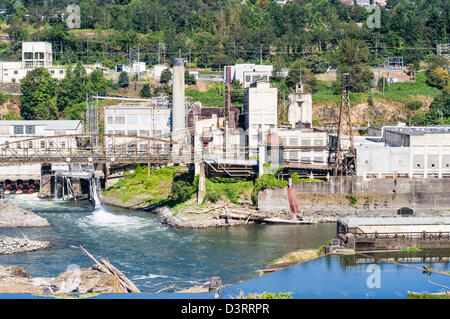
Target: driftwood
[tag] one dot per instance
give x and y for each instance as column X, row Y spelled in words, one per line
column 234, row 214
column 105, row 266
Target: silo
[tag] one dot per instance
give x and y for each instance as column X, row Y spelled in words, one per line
column 179, row 108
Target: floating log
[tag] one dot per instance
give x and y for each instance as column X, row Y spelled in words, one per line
column 105, row 266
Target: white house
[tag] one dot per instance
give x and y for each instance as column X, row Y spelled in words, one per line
column 34, row 55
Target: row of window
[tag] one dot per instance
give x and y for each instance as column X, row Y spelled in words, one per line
column 129, row 119
column 30, row 144
column 432, row 161
column 28, row 129
column 37, row 55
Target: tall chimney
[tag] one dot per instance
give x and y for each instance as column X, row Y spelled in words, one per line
column 178, row 106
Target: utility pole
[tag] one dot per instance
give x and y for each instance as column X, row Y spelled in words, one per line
column 345, row 164
column 260, row 55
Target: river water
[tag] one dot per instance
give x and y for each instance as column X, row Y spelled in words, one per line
column 152, row 255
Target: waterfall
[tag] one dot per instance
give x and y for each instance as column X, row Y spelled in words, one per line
column 95, row 190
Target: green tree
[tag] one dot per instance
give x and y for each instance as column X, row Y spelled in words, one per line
column 353, row 58
column 124, row 80
column 189, row 79
column 145, row 91
column 38, row 100
column 166, row 75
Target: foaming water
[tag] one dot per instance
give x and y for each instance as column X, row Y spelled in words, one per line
column 120, row 222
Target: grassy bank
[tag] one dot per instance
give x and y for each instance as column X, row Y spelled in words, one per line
column 396, row 92
column 174, row 187
column 137, row 189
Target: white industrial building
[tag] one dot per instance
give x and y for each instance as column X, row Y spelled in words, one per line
column 34, row 55
column 138, row 120
column 248, row 73
column 261, row 113
column 13, row 134
column 400, row 151
column 300, row 108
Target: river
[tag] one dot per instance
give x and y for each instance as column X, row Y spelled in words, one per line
column 152, row 255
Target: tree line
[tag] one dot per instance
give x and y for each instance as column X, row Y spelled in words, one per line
column 211, row 33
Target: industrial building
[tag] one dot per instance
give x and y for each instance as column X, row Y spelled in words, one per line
column 32, row 131
column 137, row 120
column 34, row 55
column 247, row 74
column 300, row 107
column 401, row 151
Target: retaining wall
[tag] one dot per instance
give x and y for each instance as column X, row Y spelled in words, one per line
column 419, row 194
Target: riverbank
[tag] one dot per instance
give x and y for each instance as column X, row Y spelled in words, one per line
column 13, row 216
column 14, row 279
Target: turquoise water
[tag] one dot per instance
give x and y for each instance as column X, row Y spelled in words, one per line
column 155, row 256
column 152, row 255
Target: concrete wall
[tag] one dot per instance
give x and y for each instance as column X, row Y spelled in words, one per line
column 375, row 194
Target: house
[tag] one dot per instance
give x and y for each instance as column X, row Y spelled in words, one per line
column 248, row 73
column 34, row 55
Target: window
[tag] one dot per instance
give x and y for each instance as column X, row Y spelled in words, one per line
column 52, row 71
column 293, row 141
column 143, row 133
column 63, row 144
column 132, row 120
column 18, row 129
column 16, row 72
column 145, row 120
column 42, row 144
column 132, row 133
column 120, row 132
column 50, row 144
column 30, row 129
column 28, row 55
column 18, row 145
column 110, row 120
column 119, row 120
column 30, row 144
column 61, row 71
column 318, row 142
column 306, row 142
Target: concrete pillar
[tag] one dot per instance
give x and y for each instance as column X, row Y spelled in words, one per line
column 261, row 159
column 45, row 187
column 201, row 184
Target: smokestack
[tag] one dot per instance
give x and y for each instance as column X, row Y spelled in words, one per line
column 178, row 106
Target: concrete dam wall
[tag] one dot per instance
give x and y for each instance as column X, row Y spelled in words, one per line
column 352, row 195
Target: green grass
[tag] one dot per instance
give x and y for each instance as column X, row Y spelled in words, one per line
column 412, row 249
column 396, row 92
column 297, row 179
column 210, row 98
column 137, row 183
column 427, row 296
column 271, row 295
column 219, row 188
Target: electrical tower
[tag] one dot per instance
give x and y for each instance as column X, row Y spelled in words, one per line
column 345, row 162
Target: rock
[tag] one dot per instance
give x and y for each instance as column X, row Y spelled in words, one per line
column 14, row 279
column 215, row 284
column 13, row 216
column 9, row 245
